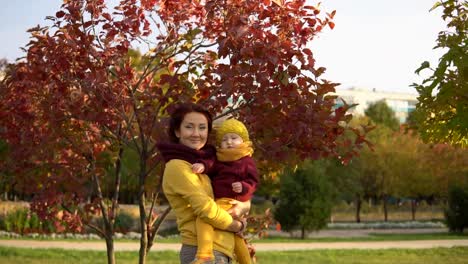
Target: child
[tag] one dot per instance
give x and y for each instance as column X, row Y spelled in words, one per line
column 233, row 177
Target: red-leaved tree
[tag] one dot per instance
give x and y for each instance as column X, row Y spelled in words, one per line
column 77, row 101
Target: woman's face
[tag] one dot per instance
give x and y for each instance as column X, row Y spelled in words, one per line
column 193, row 131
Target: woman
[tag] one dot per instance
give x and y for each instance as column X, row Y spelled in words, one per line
column 189, row 194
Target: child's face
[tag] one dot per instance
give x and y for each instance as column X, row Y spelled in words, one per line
column 231, row 140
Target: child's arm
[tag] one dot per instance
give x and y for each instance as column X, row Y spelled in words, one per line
column 246, row 188
column 250, row 180
column 204, row 165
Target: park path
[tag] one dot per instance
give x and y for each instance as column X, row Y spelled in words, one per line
column 134, row 246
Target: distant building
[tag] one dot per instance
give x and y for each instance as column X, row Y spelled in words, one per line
column 401, row 103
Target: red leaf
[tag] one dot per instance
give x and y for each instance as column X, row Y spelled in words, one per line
column 307, row 51
column 60, row 14
column 107, row 16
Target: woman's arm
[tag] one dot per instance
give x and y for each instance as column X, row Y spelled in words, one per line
column 238, row 225
column 191, row 188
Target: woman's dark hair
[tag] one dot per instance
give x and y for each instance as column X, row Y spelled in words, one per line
column 178, row 114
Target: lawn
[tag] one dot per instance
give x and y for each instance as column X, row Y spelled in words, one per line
column 276, row 239
column 457, row 255
column 371, row 237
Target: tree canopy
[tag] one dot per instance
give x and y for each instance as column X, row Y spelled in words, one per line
column 381, row 114
column 80, row 98
column 305, row 198
column 442, row 110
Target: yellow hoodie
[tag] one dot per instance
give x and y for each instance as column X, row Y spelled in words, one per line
column 190, row 195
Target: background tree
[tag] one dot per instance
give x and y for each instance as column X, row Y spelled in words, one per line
column 456, row 213
column 305, row 198
column 442, row 110
column 356, row 181
column 377, row 166
column 381, row 114
column 78, row 101
column 447, row 165
column 413, row 179
column 384, row 171
column 6, row 176
column 384, row 118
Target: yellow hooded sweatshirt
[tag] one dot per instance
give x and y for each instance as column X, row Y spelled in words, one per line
column 191, row 195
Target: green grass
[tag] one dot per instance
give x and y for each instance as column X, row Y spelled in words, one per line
column 371, row 237
column 426, row 256
column 273, row 239
column 59, row 256
column 457, row 255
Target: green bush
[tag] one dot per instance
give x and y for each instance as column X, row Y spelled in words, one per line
column 305, row 198
column 170, row 231
column 22, row 221
column 15, row 221
column 124, row 223
column 260, row 208
column 456, row 214
column 2, row 223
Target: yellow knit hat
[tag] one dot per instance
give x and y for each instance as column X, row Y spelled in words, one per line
column 231, row 126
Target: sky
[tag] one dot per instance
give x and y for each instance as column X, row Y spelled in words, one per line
column 376, row 44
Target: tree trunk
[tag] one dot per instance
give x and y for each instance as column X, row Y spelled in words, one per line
column 148, row 227
column 141, row 204
column 155, row 227
column 110, row 250
column 303, row 233
column 385, row 208
column 432, row 210
column 154, row 222
column 413, row 209
column 358, row 209
column 143, row 228
column 108, row 217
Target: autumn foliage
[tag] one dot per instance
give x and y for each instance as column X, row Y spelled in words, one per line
column 441, row 113
column 77, row 100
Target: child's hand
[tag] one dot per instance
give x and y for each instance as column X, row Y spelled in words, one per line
column 237, row 187
column 198, row 168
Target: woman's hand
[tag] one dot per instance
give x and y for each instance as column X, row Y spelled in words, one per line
column 239, row 208
column 243, row 228
column 237, row 226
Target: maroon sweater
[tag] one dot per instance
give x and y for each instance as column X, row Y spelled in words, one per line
column 178, row 151
column 223, row 174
